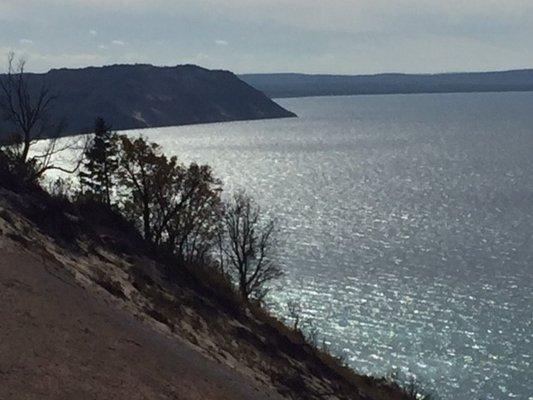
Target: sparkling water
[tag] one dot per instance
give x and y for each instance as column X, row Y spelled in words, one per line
column 407, row 228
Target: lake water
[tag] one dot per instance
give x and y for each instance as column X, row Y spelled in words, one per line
column 407, row 223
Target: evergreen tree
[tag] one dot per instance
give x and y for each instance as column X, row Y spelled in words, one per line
column 101, row 163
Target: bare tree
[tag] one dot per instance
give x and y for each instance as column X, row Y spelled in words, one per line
column 295, row 311
column 247, row 243
column 25, row 107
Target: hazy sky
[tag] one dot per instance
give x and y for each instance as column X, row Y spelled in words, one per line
column 331, row 36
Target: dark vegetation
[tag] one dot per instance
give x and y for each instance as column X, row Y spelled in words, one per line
column 214, row 256
column 301, row 85
column 141, row 96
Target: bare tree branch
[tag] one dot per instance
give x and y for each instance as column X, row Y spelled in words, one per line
column 247, row 245
column 26, row 109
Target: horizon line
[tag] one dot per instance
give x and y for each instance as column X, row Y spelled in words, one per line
column 489, row 71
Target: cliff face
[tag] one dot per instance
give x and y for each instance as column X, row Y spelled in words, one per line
column 141, row 96
column 89, row 312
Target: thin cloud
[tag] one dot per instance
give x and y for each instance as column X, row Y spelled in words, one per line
column 25, row 41
column 93, row 32
column 313, row 36
column 199, row 58
column 42, row 62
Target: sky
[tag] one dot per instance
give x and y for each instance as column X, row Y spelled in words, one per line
column 245, row 36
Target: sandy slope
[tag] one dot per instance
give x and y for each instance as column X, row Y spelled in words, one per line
column 87, row 311
column 58, row 341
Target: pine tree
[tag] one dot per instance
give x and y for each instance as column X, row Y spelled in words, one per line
column 101, row 162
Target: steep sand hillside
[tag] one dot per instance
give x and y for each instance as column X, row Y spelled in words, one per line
column 88, row 313
column 58, row 341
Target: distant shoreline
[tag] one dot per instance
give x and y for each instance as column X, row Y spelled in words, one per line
column 301, row 85
column 400, row 94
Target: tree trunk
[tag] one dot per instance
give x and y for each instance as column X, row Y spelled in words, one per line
column 242, row 288
column 146, row 221
column 26, row 148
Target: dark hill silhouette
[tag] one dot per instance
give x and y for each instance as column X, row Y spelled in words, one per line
column 301, row 85
column 140, row 96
